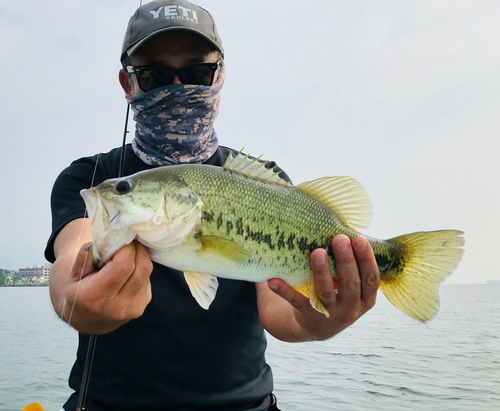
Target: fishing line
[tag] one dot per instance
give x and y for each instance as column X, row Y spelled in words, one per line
column 89, row 359
column 76, row 251
column 63, row 308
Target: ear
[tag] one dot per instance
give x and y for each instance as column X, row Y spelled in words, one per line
column 125, row 83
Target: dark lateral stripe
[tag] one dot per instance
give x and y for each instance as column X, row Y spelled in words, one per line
column 282, row 242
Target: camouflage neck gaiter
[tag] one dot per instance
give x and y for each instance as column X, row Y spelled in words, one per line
column 174, row 124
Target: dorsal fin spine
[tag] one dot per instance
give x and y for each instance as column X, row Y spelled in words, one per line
column 249, row 164
column 233, row 159
column 255, row 169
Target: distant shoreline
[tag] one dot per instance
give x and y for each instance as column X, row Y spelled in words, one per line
column 24, row 285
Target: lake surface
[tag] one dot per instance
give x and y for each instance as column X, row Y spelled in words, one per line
column 385, row 361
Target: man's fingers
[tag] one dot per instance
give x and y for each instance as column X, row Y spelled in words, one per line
column 296, row 299
column 124, row 280
column 347, row 270
column 116, row 272
column 323, row 281
column 368, row 270
column 138, row 283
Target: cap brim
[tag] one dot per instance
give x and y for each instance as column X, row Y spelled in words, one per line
column 136, row 46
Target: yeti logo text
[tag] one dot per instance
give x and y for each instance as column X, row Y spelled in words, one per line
column 175, row 12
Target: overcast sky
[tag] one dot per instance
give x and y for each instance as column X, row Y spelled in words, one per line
column 404, row 96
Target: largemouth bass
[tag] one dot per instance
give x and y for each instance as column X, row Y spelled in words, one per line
column 242, row 221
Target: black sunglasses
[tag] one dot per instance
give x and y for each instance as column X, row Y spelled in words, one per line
column 151, row 77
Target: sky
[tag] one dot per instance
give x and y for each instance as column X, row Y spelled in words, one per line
column 402, row 96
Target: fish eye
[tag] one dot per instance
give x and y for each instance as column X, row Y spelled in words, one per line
column 123, row 187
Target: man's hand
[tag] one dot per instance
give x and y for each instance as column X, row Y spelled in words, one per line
column 97, row 302
column 292, row 318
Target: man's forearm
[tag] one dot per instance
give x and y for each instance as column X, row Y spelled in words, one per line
column 57, row 285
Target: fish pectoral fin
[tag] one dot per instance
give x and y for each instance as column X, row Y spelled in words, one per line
column 223, row 248
column 309, row 291
column 33, row 407
column 203, row 287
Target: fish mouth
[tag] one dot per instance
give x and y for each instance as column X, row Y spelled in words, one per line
column 95, row 208
column 108, row 234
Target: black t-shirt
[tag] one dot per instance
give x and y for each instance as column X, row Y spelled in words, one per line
column 176, row 353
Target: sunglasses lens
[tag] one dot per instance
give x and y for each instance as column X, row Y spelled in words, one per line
column 198, row 74
column 152, row 77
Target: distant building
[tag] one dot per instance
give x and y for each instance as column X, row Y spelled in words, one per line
column 493, row 282
column 35, row 273
column 9, row 280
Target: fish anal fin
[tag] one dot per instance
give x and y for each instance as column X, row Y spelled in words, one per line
column 345, row 196
column 309, row 291
column 254, row 168
column 203, row 287
column 223, row 248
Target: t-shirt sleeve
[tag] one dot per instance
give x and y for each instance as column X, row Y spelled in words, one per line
column 66, row 202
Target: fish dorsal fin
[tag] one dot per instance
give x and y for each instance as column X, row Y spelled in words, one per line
column 254, row 168
column 203, row 287
column 345, row 196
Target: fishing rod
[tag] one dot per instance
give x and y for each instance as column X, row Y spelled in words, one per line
column 89, row 359
column 122, row 152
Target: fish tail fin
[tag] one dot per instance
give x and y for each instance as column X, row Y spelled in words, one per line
column 426, row 259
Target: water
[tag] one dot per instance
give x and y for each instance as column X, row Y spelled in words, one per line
column 36, row 350
column 383, row 362
column 386, row 361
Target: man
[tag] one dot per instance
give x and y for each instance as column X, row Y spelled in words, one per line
column 157, row 349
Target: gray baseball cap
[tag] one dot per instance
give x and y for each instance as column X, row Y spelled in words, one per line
column 160, row 16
